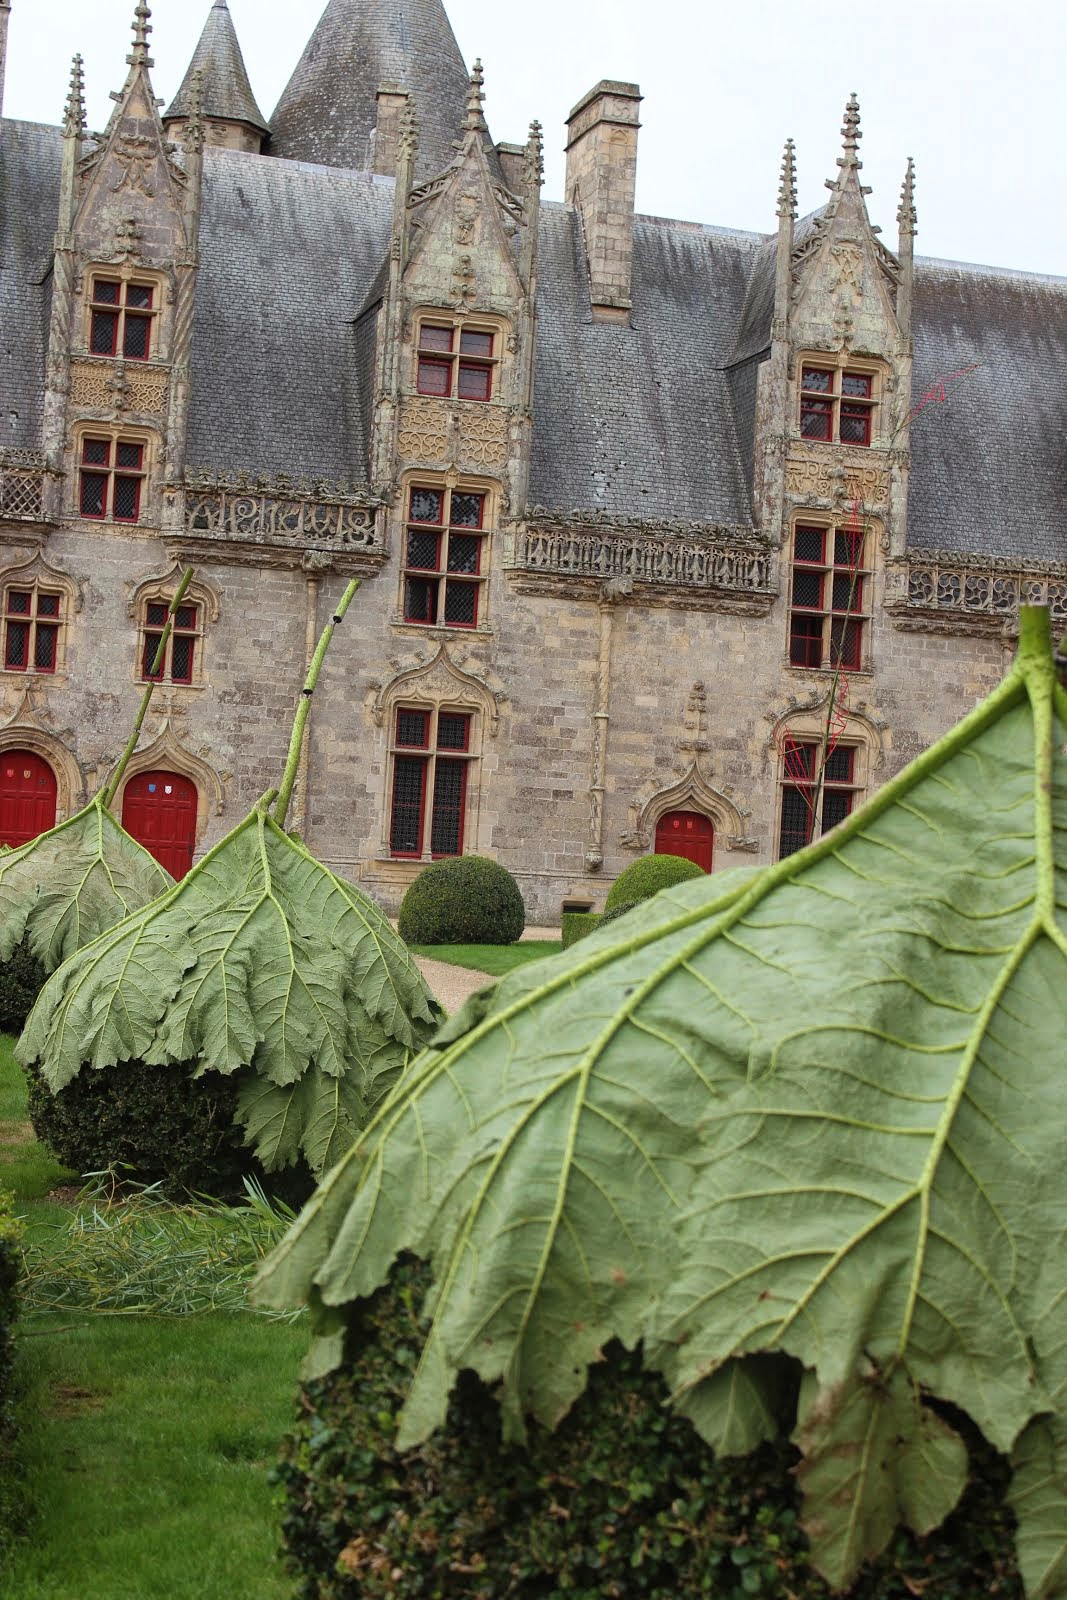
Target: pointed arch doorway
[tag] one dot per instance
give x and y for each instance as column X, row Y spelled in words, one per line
column 28, row 791
column 159, row 810
column 688, row 834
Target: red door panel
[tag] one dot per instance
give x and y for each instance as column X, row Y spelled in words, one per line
column 688, row 834
column 27, row 797
column 159, row 811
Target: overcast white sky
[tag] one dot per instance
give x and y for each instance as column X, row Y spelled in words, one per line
column 973, row 89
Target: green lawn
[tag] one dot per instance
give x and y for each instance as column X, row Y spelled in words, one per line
column 145, row 1442
column 496, row 959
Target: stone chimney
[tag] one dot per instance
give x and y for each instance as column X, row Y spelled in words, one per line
column 5, row 14
column 601, row 182
column 392, row 98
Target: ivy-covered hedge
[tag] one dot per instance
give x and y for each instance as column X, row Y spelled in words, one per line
column 464, row 900
column 21, row 981
column 623, row 1500
column 646, row 877
column 161, row 1124
column 11, row 1495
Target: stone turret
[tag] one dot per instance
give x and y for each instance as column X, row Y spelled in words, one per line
column 231, row 116
column 5, row 14
column 601, row 181
column 330, row 111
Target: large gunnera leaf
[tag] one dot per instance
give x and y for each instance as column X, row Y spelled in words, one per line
column 816, row 1111
column 73, row 883
column 260, row 963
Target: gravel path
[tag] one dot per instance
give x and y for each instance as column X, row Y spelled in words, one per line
column 451, row 985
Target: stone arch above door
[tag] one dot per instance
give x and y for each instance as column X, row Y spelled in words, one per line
column 690, row 792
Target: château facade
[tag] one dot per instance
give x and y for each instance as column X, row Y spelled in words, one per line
column 623, row 492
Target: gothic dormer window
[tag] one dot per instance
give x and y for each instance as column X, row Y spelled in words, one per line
column 457, row 359
column 837, row 404
column 121, row 319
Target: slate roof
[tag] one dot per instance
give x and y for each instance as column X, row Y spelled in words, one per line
column 639, row 421
column 989, row 466
column 653, row 420
column 329, row 110
column 30, row 158
column 227, row 91
column 288, row 254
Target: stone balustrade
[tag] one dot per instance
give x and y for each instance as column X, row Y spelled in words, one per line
column 22, row 480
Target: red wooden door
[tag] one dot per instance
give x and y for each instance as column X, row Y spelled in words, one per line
column 688, row 834
column 159, row 810
column 27, row 797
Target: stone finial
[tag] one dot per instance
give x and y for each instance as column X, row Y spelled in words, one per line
column 534, row 165
column 475, row 100
column 142, row 27
column 787, row 188
column 194, row 128
column 407, row 144
column 907, row 216
column 851, row 133
column 74, row 121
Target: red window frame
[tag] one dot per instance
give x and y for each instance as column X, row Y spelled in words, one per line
column 456, row 361
column 116, row 309
column 32, row 620
column 829, row 586
column 840, row 791
column 431, row 757
column 836, row 402
column 111, row 479
column 443, row 572
column 183, row 643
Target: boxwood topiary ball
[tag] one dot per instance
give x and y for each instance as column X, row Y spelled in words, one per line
column 464, row 900
column 642, row 879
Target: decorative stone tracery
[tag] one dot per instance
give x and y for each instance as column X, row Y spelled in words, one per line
column 693, row 790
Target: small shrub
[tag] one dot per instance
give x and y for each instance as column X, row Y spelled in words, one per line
column 158, row 1124
column 642, row 879
column 464, row 900
column 21, row 980
column 576, row 924
column 12, row 1503
column 624, row 1500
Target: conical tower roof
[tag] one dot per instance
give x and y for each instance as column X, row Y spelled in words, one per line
column 329, row 109
column 228, row 94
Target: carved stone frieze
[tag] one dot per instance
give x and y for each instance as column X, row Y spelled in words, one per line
column 814, row 474
column 424, row 430
column 103, row 386
column 22, row 480
column 681, row 562
column 267, row 514
column 942, row 592
column 448, row 433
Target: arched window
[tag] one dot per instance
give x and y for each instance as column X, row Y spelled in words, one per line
column 817, row 788
column 432, row 752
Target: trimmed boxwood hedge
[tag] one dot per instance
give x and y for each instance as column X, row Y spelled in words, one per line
column 464, row 900
column 642, row 879
column 623, row 1500
column 159, row 1124
column 576, row 924
column 12, row 1505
